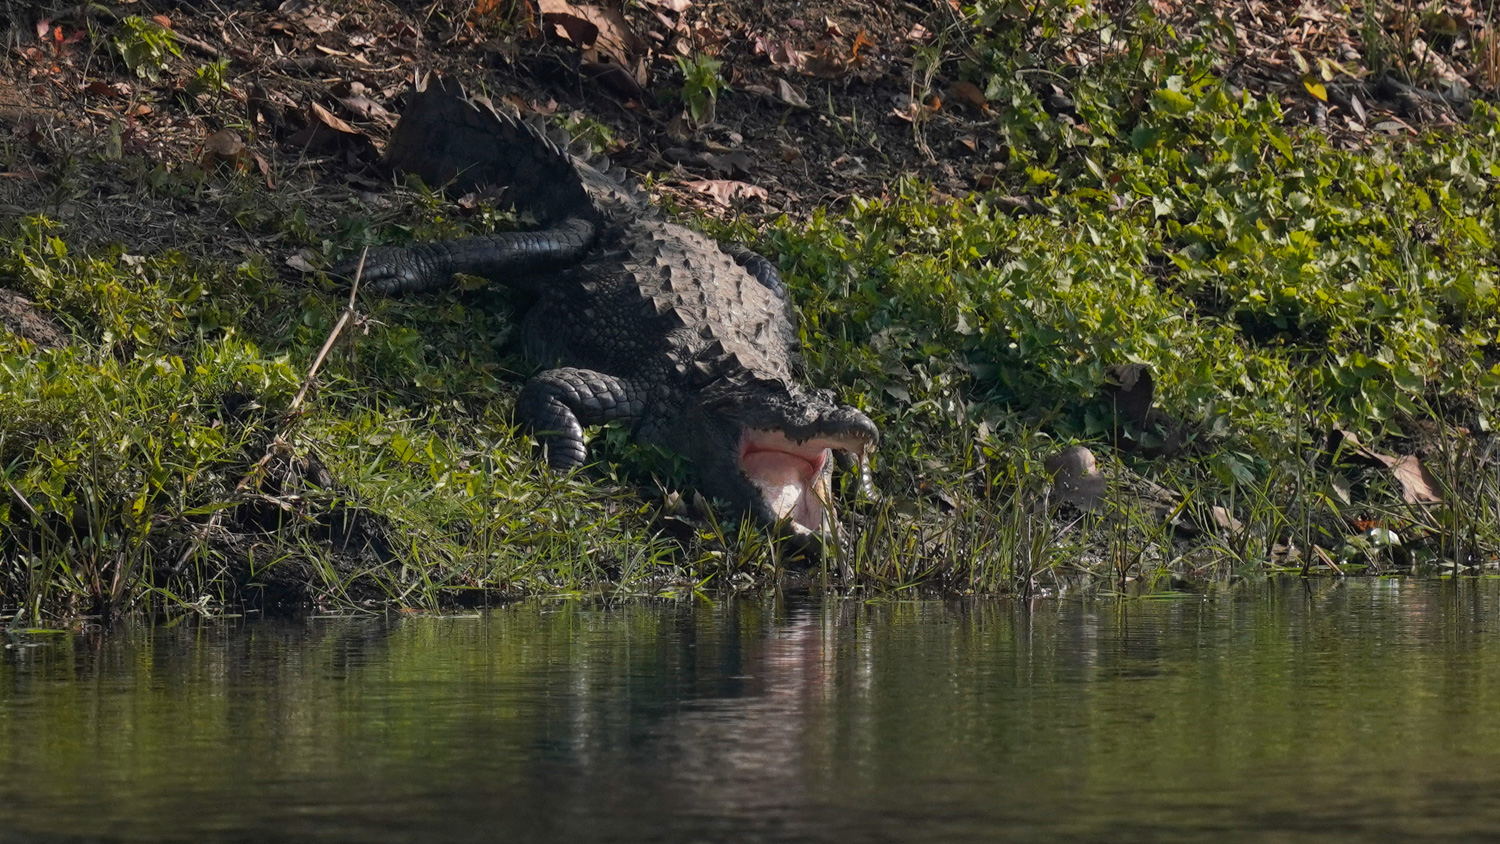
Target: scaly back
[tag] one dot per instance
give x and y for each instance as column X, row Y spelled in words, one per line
column 466, row 144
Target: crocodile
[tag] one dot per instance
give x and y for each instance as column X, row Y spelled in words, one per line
column 634, row 318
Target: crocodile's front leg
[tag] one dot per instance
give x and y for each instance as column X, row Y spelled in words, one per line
column 512, row 258
column 557, row 403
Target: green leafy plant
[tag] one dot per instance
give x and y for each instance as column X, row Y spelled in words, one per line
column 594, row 135
column 211, row 78
column 701, row 84
column 146, row 46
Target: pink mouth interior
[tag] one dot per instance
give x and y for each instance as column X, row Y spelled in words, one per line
column 792, row 477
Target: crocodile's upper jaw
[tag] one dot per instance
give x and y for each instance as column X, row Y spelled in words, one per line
column 792, row 477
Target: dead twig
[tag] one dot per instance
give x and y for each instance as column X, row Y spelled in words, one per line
column 289, row 418
column 333, row 335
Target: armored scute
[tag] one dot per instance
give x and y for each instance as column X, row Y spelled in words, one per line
column 636, row 318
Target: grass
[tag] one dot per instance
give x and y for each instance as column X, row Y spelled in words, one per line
column 1279, row 288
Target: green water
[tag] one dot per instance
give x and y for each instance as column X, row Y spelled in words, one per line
column 1336, row 712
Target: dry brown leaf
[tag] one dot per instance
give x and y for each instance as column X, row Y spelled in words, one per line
column 365, row 107
column 1359, row 108
column 781, row 53
column 327, row 118
column 910, row 111
column 224, row 147
column 678, row 6
column 790, row 95
column 725, row 191
column 616, row 38
column 1418, row 486
column 319, row 24
column 573, row 28
column 326, row 133
column 612, row 35
column 969, row 94
column 825, row 64
column 264, row 167
column 100, row 88
column 862, row 41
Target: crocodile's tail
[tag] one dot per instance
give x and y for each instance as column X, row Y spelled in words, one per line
column 466, row 144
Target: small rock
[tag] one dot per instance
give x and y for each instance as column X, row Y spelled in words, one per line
column 1225, row 520
column 1078, row 480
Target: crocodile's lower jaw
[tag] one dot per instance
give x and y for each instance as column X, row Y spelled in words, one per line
column 792, row 477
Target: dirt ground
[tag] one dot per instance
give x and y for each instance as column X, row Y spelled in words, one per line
column 821, row 99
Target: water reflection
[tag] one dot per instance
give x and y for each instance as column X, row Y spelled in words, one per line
column 1295, row 712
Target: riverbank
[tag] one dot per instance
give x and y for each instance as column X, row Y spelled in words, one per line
column 1255, row 278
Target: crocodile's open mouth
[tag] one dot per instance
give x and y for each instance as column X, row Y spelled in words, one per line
column 792, row 476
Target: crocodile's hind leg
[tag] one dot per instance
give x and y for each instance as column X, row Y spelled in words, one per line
column 758, row 266
column 557, row 403
column 512, row 258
